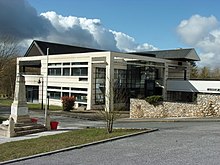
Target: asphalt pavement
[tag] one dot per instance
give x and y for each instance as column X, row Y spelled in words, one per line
column 177, row 142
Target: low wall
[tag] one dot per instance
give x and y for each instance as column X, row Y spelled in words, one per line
column 207, row 105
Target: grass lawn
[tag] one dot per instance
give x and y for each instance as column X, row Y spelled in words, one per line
column 8, row 102
column 13, row 150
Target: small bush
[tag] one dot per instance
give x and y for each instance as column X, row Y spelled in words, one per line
column 154, row 100
column 68, row 102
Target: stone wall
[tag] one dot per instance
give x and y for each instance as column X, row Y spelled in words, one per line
column 207, row 105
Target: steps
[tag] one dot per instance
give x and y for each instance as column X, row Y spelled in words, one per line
column 22, row 129
column 3, row 130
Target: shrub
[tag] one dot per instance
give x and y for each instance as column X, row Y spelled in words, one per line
column 68, row 102
column 154, row 100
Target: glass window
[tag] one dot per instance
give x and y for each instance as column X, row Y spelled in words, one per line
column 54, row 64
column 100, row 85
column 83, row 79
column 80, row 97
column 53, row 87
column 65, row 94
column 54, row 71
column 66, row 71
column 66, row 63
column 54, row 95
column 79, row 63
column 80, row 71
column 66, row 88
column 79, row 89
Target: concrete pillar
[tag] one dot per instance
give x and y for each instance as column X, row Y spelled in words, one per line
column 19, row 109
column 90, row 80
column 109, row 84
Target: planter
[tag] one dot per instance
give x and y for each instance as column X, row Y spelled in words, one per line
column 53, row 125
column 34, row 120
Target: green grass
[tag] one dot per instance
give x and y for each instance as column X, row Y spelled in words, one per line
column 18, row 149
column 38, row 106
column 6, row 102
column 31, row 106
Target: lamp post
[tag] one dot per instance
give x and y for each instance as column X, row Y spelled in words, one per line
column 42, row 89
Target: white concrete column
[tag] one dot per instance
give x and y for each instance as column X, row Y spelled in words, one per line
column 90, row 87
column 109, row 98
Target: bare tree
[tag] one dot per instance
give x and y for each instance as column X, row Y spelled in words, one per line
column 9, row 50
column 194, row 70
column 119, row 98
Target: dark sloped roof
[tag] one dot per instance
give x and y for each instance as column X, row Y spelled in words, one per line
column 55, row 48
column 175, row 54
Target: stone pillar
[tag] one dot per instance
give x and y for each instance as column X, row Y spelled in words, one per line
column 11, row 126
column 19, row 109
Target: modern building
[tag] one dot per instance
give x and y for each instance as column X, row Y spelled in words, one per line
column 93, row 75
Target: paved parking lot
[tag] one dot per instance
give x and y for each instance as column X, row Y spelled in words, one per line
column 175, row 143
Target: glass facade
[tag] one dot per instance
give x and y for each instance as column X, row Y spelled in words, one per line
column 100, row 85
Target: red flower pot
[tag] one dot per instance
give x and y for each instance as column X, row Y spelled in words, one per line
column 53, row 125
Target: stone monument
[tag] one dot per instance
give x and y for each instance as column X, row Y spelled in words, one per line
column 19, row 109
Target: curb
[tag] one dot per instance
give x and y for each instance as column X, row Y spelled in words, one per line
column 78, row 146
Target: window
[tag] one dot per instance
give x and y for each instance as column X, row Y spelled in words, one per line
column 54, row 71
column 53, row 87
column 181, row 96
column 79, row 63
column 54, row 95
column 79, row 71
column 54, row 64
column 65, row 88
column 65, row 94
column 120, row 78
column 100, row 85
column 66, row 63
column 66, row 71
column 79, row 89
column 83, row 79
column 80, row 97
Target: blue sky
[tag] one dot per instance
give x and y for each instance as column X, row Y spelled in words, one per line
column 118, row 25
column 152, row 21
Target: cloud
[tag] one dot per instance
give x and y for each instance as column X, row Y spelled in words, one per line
column 203, row 33
column 19, row 19
column 91, row 32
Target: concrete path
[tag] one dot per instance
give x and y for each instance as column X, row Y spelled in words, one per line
column 65, row 124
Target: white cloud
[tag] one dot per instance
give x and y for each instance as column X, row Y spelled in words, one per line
column 91, row 33
column 203, row 33
column 25, row 24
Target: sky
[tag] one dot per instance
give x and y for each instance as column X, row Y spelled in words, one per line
column 118, row 25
